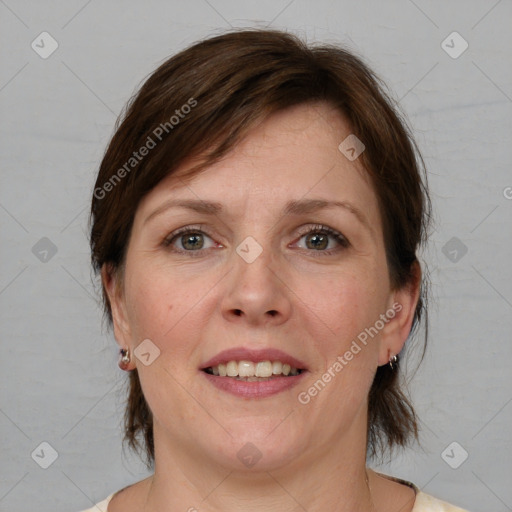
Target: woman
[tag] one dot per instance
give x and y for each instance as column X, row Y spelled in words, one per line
column 255, row 221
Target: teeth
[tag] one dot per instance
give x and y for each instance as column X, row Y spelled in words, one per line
column 245, row 369
column 263, row 369
column 249, row 371
column 232, row 369
column 277, row 367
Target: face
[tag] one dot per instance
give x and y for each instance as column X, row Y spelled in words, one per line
column 269, row 263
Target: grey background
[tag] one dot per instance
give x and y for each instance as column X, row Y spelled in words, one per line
column 58, row 367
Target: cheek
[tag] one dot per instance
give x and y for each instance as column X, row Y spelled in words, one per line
column 168, row 307
column 336, row 316
column 151, row 302
column 344, row 304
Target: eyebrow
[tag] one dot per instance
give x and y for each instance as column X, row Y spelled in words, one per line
column 296, row 207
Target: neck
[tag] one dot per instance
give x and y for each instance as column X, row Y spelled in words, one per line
column 330, row 477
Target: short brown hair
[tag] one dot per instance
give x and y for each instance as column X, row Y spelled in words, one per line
column 231, row 82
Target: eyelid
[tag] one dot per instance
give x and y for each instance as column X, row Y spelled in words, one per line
column 304, row 230
column 169, row 239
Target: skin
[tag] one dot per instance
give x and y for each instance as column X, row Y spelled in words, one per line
column 293, row 296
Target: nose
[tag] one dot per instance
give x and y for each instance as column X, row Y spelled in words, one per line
column 256, row 293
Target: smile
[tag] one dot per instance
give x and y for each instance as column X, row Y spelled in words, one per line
column 253, row 371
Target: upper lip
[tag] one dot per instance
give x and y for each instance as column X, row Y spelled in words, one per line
column 246, row 354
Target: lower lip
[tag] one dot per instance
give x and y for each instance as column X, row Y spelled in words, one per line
column 256, row 389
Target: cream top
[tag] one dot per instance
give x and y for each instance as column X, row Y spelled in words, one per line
column 423, row 503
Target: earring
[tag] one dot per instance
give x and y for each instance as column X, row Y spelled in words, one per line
column 124, row 358
column 393, row 360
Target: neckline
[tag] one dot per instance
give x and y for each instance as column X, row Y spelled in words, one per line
column 416, row 490
column 400, row 481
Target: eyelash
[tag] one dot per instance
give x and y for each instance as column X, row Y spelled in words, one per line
column 326, row 230
column 318, row 228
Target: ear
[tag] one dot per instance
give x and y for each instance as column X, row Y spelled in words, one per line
column 111, row 281
column 403, row 302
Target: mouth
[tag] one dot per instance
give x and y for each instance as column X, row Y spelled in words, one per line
column 253, row 373
column 250, row 371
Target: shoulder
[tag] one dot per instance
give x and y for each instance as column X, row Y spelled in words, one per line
column 423, row 502
column 100, row 507
column 131, row 497
column 426, row 503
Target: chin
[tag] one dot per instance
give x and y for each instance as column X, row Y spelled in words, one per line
column 259, row 445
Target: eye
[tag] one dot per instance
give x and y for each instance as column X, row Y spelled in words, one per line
column 318, row 238
column 192, row 240
column 189, row 239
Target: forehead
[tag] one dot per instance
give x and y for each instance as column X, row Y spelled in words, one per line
column 291, row 155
